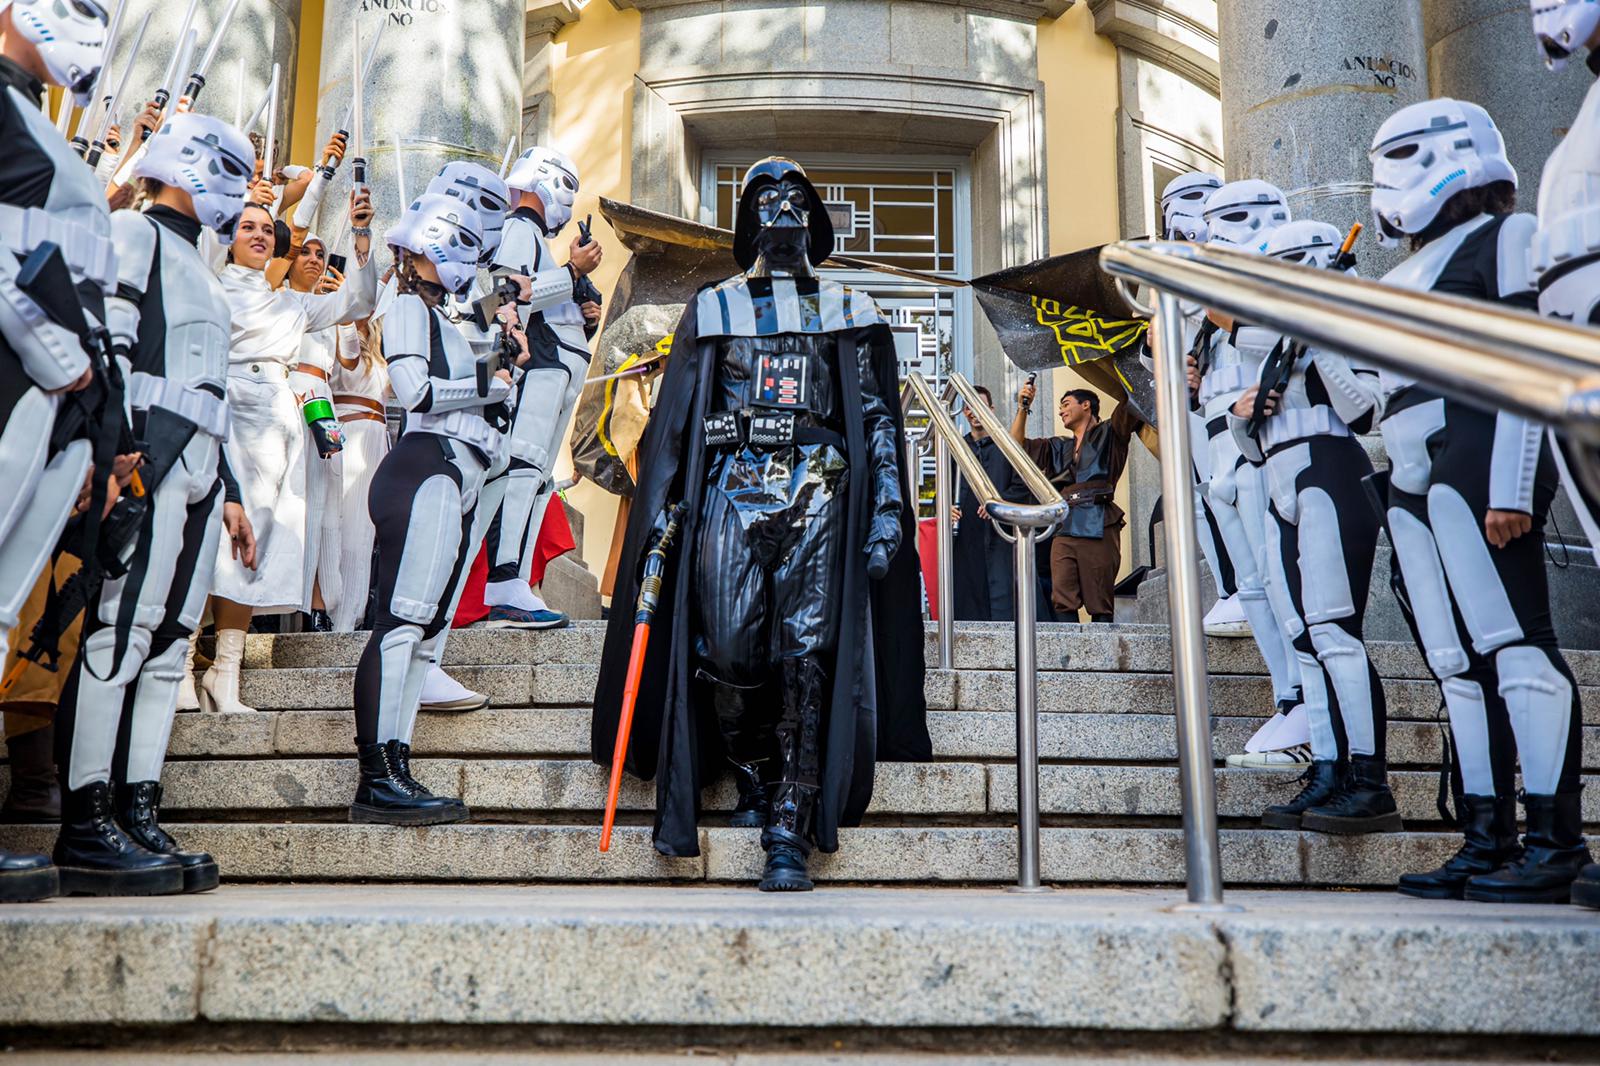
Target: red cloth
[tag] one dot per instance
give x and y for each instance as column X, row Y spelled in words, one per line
column 928, row 550
column 555, row 539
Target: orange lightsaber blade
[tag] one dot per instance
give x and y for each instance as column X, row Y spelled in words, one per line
column 630, row 696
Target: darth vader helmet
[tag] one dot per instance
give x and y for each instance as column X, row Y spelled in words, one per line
column 776, row 198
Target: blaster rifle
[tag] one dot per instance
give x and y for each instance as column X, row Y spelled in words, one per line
column 1278, row 369
column 45, row 279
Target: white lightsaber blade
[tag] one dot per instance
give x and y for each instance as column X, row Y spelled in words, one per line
column 511, row 153
column 97, row 145
column 400, row 172
column 113, row 30
column 238, row 101
column 175, row 64
column 197, row 80
column 366, row 72
column 269, row 148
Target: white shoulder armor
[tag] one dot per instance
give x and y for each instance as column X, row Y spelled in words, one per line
column 520, row 245
column 405, row 329
column 1514, row 257
column 135, row 237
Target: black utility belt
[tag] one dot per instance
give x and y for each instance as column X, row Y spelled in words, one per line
column 764, row 429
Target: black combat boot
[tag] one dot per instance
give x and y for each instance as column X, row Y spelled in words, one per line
column 25, row 878
column 35, row 794
column 1586, row 889
column 787, row 838
column 1489, row 824
column 1363, row 803
column 96, row 858
column 1321, row 782
column 138, row 813
column 388, row 795
column 1553, row 853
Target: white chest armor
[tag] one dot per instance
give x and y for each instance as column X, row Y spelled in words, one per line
column 191, row 374
column 74, row 216
column 524, row 250
column 1229, row 371
column 1297, row 416
column 1567, row 244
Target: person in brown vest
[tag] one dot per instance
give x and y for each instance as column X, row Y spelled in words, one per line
column 1086, row 551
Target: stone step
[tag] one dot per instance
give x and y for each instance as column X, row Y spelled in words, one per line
column 415, row 956
column 557, row 731
column 572, row 685
column 912, row 791
column 309, row 851
column 979, row 646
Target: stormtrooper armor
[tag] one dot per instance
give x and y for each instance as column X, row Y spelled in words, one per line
column 169, row 326
column 1482, row 613
column 1242, row 215
column 547, row 389
column 422, row 502
column 1321, row 536
column 47, row 197
column 1566, row 255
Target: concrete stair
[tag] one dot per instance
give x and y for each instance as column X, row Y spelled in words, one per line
column 266, row 793
column 513, row 930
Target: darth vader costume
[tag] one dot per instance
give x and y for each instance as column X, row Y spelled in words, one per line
column 789, row 639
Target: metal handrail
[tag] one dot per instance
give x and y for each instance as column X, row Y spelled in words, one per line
column 1028, row 522
column 979, row 412
column 1483, row 353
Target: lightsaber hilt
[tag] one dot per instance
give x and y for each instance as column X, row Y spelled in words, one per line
column 358, row 172
column 191, row 91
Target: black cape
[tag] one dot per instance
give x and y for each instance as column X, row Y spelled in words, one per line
column 876, row 708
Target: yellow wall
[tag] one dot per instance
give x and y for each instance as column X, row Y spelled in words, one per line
column 592, row 64
column 307, row 80
column 1079, row 71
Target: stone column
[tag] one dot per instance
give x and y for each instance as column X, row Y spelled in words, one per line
column 263, row 32
column 1483, row 51
column 1305, row 86
column 447, row 80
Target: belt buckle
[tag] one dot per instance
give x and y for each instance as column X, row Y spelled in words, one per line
column 722, row 428
column 772, row 429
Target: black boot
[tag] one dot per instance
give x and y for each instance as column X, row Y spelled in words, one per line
column 1489, row 824
column 25, row 878
column 96, row 858
column 138, row 813
column 1553, row 853
column 1586, row 889
column 35, row 794
column 751, row 810
column 787, row 838
column 747, row 738
column 388, row 795
column 1321, row 782
column 786, row 862
column 1363, row 803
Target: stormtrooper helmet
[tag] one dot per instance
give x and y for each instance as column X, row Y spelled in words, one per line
column 480, row 189
column 1563, row 26
column 1313, row 244
column 70, row 36
column 1183, row 205
column 550, row 175
column 1426, row 153
column 206, row 158
column 1242, row 214
column 447, row 232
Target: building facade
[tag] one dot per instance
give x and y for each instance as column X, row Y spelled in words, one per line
column 954, row 137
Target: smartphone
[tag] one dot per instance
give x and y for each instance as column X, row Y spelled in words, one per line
column 337, row 262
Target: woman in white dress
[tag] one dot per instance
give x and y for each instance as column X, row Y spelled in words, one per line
column 270, row 436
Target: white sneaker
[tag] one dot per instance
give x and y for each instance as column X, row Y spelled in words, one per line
column 1226, row 619
column 518, row 594
column 1283, row 731
column 1288, row 759
column 441, row 692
